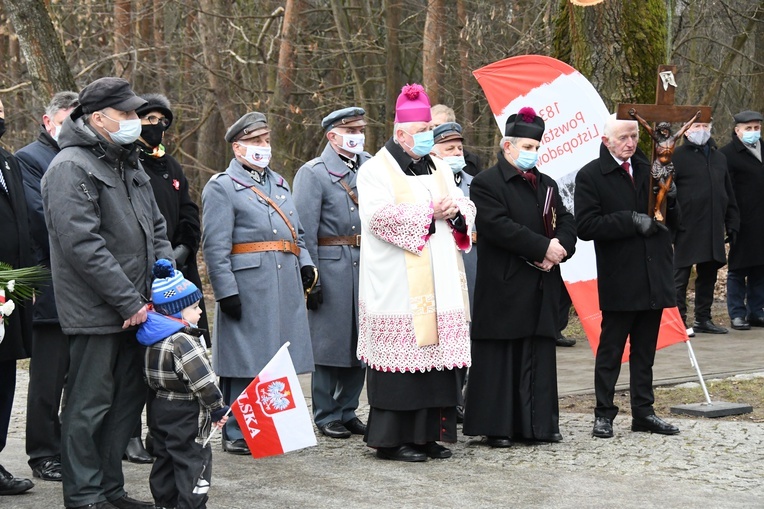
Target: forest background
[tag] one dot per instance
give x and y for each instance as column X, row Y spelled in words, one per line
column 297, row 60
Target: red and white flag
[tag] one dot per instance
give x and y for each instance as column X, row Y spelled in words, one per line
column 272, row 412
column 574, row 115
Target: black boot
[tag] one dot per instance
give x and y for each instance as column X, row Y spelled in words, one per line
column 136, row 453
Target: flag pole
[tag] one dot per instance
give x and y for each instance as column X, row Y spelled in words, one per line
column 215, row 428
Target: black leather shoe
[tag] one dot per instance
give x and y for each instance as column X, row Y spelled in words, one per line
column 335, row 429
column 355, row 426
column 755, row 321
column 740, row 324
column 97, row 505
column 401, row 453
column 499, row 442
column 10, row 485
column 553, row 438
column 136, row 453
column 708, row 327
column 434, row 450
column 603, row 427
column 653, row 424
column 48, row 469
column 125, row 502
column 236, row 446
column 565, row 341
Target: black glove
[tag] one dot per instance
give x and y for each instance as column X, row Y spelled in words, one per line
column 180, row 253
column 731, row 238
column 231, row 306
column 309, row 276
column 315, row 299
column 646, row 225
column 671, row 194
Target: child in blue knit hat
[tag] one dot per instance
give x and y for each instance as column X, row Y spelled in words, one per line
column 188, row 400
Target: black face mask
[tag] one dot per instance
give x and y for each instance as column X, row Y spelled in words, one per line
column 152, row 134
column 2, row 127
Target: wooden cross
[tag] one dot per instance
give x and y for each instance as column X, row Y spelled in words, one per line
column 664, row 110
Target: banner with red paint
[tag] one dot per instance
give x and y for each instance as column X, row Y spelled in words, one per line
column 272, row 412
column 574, row 116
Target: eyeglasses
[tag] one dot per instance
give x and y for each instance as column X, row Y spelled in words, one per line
column 153, row 120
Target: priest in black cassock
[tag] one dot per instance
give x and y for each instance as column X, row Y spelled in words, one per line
column 525, row 233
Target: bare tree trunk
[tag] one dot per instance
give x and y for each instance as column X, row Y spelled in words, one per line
column 758, row 81
column 279, row 110
column 210, row 45
column 41, row 47
column 339, row 22
column 433, row 49
column 464, row 67
column 617, row 44
column 122, row 36
column 392, row 63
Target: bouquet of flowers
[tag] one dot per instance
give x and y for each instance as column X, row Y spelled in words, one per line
column 18, row 284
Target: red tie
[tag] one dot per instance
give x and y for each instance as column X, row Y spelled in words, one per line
column 625, row 165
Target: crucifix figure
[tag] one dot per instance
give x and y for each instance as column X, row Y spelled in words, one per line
column 665, row 112
column 662, row 171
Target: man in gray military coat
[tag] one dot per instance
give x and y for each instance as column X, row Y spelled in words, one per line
column 327, row 201
column 257, row 264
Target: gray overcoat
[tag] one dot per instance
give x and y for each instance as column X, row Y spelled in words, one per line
column 327, row 210
column 268, row 283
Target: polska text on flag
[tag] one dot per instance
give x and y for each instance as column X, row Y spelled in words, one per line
column 272, row 412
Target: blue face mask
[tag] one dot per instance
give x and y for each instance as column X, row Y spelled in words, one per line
column 455, row 162
column 423, row 143
column 527, row 159
column 751, row 137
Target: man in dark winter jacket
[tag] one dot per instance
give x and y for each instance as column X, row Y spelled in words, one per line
column 106, row 232
column 634, row 271
column 15, row 251
column 745, row 279
column 709, row 209
column 50, row 347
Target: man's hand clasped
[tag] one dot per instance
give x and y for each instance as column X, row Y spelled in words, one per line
column 444, row 208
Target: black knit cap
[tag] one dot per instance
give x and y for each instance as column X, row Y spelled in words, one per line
column 525, row 124
column 156, row 102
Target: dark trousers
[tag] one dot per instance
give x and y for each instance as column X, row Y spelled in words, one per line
column 745, row 292
column 47, row 373
column 565, row 304
column 231, row 388
column 180, row 459
column 704, row 289
column 7, row 389
column 335, row 392
column 642, row 328
column 104, row 395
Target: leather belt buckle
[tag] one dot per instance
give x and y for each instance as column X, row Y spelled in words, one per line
column 285, row 246
column 357, row 241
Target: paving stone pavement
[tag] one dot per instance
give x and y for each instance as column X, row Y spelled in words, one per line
column 711, row 463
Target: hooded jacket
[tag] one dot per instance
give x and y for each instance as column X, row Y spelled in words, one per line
column 105, row 230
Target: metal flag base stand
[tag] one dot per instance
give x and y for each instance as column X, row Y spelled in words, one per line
column 709, row 408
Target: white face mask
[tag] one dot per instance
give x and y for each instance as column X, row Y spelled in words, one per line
column 353, row 143
column 129, row 130
column 699, row 137
column 56, row 132
column 258, row 156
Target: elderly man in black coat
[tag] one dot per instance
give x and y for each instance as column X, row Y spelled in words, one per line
column 709, row 210
column 745, row 279
column 525, row 233
column 634, row 271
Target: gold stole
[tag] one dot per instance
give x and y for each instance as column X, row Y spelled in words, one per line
column 419, row 268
